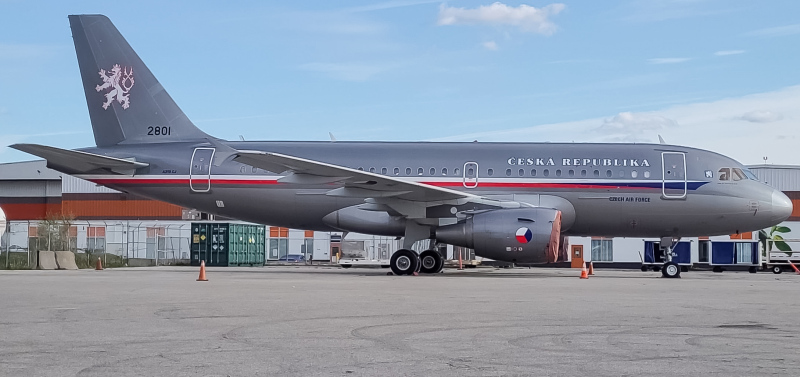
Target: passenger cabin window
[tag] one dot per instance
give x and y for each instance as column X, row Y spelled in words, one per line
column 456, row 171
column 546, row 172
column 647, row 173
column 521, row 172
column 408, row 171
column 597, row 173
column 533, row 172
column 471, row 172
column 433, row 171
column 360, row 168
column 508, row 172
column 371, row 170
column 558, row 172
column 571, row 173
column 634, row 174
column 420, row 171
column 384, row 171
column 444, row 171
column 490, row 172
column 396, row 171
column 583, row 173
column 609, row 174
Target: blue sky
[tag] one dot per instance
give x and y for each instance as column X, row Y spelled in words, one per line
column 715, row 74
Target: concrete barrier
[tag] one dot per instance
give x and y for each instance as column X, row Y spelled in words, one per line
column 66, row 260
column 47, row 260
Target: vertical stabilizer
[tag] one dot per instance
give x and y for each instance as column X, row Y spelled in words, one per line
column 127, row 104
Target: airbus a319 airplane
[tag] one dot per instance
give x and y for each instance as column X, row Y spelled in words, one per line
column 508, row 201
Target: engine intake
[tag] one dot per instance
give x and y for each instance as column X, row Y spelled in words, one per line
column 521, row 235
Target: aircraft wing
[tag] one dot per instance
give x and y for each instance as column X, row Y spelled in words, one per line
column 351, row 182
column 76, row 162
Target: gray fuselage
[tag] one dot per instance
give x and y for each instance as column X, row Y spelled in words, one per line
column 608, row 190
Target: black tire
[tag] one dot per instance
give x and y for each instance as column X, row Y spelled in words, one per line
column 716, row 269
column 671, row 270
column 404, row 262
column 656, row 268
column 431, row 262
column 346, row 265
column 753, row 269
column 777, row 269
column 684, row 268
column 644, row 268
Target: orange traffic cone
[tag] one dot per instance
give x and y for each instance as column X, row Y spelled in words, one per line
column 99, row 265
column 584, row 273
column 795, row 267
column 202, row 271
column 591, row 268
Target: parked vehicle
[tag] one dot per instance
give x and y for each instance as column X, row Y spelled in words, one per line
column 293, row 258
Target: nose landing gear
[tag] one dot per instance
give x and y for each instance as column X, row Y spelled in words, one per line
column 670, row 269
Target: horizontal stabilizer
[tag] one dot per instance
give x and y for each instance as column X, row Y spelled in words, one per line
column 76, row 162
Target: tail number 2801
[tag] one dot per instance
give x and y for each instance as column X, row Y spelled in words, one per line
column 159, row 131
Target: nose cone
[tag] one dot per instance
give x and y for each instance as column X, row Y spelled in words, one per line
column 781, row 206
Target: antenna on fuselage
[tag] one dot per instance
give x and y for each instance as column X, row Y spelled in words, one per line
column 333, row 138
column 241, row 137
column 661, row 140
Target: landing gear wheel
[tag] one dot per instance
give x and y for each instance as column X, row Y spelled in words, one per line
column 431, row 262
column 777, row 269
column 671, row 270
column 404, row 262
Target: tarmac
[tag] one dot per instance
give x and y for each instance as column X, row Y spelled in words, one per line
column 327, row 321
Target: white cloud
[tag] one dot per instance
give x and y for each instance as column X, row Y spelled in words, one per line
column 715, row 126
column 761, row 116
column 347, row 72
column 631, row 127
column 490, row 45
column 777, row 31
column 668, row 60
column 728, row 52
column 525, row 17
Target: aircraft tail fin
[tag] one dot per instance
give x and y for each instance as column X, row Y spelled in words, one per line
column 127, row 104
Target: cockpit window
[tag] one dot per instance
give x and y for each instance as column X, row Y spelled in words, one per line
column 725, row 174
column 738, row 174
column 735, row 174
column 750, row 174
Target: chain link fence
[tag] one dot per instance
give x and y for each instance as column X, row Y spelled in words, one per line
column 116, row 243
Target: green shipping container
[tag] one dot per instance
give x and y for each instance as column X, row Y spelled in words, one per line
column 226, row 244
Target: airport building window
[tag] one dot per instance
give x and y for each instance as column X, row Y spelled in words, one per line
column 508, row 172
column 521, row 172
column 408, row 171
column 490, row 172
column 420, row 171
column 647, row 173
column 533, row 172
column 571, row 173
column 396, row 171
column 634, row 174
column 597, row 173
column 609, row 174
column 384, row 171
column 433, row 171
column 546, row 173
column 444, row 171
column 558, row 172
column 583, row 173
column 602, row 250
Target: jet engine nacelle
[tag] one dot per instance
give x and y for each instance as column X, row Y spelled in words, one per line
column 354, row 219
column 521, row 235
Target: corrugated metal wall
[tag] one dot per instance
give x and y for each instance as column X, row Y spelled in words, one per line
column 72, row 185
column 781, row 177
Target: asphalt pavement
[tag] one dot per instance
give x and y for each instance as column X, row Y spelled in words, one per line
column 327, row 321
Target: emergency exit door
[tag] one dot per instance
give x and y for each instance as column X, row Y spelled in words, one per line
column 200, row 170
column 471, row 175
column 577, row 256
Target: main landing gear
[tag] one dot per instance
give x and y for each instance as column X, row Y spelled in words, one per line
column 407, row 262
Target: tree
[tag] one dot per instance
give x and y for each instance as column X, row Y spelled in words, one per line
column 53, row 232
column 773, row 238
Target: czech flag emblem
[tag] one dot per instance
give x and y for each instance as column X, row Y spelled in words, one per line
column 524, row 235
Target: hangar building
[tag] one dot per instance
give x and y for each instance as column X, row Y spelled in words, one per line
column 137, row 227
